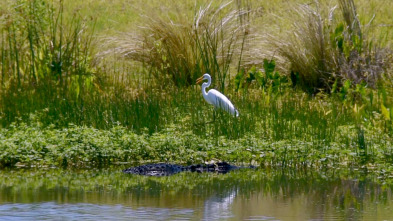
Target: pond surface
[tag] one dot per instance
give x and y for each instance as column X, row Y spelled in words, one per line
column 55, row 194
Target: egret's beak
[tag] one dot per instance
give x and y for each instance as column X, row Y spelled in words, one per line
column 199, row 80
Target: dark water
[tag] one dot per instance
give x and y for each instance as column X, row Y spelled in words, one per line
column 53, row 194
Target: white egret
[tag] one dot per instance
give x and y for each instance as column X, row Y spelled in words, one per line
column 215, row 98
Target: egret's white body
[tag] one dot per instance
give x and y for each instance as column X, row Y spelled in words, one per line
column 216, row 98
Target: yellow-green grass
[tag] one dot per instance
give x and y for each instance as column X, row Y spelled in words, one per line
column 124, row 15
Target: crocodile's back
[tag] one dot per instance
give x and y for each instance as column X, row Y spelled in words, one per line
column 158, row 169
column 220, row 167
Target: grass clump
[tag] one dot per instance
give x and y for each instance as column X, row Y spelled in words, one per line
column 326, row 47
column 180, row 48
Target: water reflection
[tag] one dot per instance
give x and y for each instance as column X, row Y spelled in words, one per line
column 88, row 211
column 244, row 195
column 219, row 207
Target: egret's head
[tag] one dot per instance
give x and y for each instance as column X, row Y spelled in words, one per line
column 204, row 77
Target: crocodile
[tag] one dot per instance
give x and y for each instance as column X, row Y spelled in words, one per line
column 165, row 169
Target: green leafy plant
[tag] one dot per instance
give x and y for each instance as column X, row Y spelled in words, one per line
column 269, row 80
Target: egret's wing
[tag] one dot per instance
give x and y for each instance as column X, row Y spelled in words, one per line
column 218, row 100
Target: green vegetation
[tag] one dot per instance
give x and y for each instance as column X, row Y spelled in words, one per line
column 36, row 145
column 75, row 92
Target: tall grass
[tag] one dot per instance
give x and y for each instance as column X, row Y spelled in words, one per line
column 38, row 44
column 45, row 58
column 327, row 46
column 181, row 48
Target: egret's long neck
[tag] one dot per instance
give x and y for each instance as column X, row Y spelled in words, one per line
column 204, row 86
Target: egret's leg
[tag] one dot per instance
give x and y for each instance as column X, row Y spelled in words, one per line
column 214, row 117
column 208, row 122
